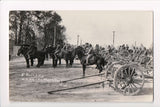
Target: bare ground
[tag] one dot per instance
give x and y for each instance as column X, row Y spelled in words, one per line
column 33, row 84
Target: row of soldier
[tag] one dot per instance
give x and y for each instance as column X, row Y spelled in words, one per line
column 139, row 54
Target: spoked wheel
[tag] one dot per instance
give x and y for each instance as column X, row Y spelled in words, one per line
column 129, row 80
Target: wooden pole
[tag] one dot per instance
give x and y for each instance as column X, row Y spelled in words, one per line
column 64, row 89
column 113, row 37
column 83, row 77
column 77, row 40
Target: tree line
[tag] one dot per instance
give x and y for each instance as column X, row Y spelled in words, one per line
column 39, row 26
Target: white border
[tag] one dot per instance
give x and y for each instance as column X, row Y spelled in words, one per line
column 75, row 5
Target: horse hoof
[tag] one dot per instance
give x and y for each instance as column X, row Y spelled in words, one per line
column 28, row 66
column 38, row 66
column 54, row 66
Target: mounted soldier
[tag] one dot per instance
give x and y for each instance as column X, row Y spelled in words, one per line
column 89, row 53
column 65, row 47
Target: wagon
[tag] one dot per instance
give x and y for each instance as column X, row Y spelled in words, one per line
column 126, row 75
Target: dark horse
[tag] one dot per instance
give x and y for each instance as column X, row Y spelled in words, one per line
column 55, row 58
column 69, row 56
column 95, row 59
column 40, row 55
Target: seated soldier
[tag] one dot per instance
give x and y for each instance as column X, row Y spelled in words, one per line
column 89, row 53
column 58, row 49
column 69, row 48
column 65, row 47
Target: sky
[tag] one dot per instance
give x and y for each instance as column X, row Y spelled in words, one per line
column 96, row 27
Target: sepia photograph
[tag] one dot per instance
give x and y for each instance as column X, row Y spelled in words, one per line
column 81, row 56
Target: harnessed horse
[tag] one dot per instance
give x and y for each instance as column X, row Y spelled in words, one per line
column 69, row 56
column 95, row 59
column 40, row 55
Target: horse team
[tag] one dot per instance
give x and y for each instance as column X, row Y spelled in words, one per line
column 98, row 56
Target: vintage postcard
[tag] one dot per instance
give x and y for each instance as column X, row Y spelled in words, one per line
column 80, row 56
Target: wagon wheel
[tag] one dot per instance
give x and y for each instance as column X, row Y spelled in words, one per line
column 129, row 79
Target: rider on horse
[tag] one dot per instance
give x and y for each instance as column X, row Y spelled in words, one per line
column 67, row 48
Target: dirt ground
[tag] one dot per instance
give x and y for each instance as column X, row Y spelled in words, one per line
column 33, row 84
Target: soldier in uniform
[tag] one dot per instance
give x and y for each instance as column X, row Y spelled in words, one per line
column 58, row 49
column 89, row 53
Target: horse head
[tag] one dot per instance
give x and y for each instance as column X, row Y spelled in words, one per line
column 23, row 49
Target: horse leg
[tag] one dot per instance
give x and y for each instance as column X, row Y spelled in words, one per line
column 66, row 62
column 96, row 66
column 59, row 61
column 43, row 61
column 71, row 62
column 53, row 62
column 27, row 62
column 31, row 61
column 84, row 68
column 56, row 61
column 39, row 63
column 100, row 68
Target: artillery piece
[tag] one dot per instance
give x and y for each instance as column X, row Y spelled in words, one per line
column 121, row 73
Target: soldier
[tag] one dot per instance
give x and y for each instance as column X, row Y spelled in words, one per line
column 65, row 47
column 109, row 49
column 58, row 49
column 97, row 49
column 89, row 53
